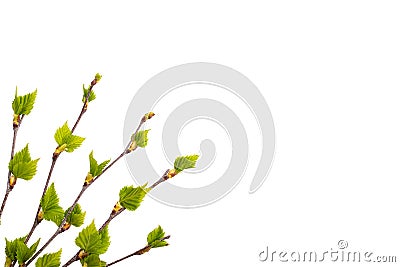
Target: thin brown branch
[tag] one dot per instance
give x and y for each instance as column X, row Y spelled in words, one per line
column 136, row 253
column 10, row 187
column 37, row 221
column 163, row 178
column 85, row 105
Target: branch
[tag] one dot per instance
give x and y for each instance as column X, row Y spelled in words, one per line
column 112, row 216
column 10, row 185
column 85, row 104
column 138, row 252
column 60, row 228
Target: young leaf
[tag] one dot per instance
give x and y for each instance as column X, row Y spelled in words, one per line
column 159, row 244
column 141, row 138
column 23, row 155
column 105, row 241
column 185, row 162
column 130, row 197
column 11, row 248
column 77, row 216
column 24, row 252
column 95, row 168
column 85, row 92
column 22, row 166
column 23, row 104
column 93, row 260
column 90, row 240
column 74, row 142
column 51, row 209
column 64, row 137
column 50, row 260
column 155, row 236
column 62, row 134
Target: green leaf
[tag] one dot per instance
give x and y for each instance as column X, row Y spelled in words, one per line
column 23, row 155
column 185, row 162
column 23, row 104
column 155, row 236
column 50, row 260
column 64, row 136
column 74, row 142
column 50, row 206
column 95, row 168
column 24, row 252
column 141, row 138
column 105, row 241
column 11, row 248
column 159, row 244
column 77, row 216
column 130, row 197
column 93, row 260
column 85, row 92
column 22, row 166
column 93, row 242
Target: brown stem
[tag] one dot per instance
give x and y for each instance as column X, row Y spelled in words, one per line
column 84, row 107
column 9, row 186
column 110, row 218
column 37, row 221
column 72, row 260
column 138, row 252
column 3, row 204
column 163, row 178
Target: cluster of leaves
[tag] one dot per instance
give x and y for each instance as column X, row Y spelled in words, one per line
column 155, row 239
column 91, row 241
column 17, row 250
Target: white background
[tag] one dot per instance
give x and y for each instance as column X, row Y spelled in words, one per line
column 329, row 71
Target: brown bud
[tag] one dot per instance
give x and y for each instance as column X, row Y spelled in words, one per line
column 16, row 121
column 66, row 226
column 144, row 250
column 149, row 115
column 117, row 207
column 82, row 254
column 13, row 181
column 171, row 173
column 40, row 216
column 88, row 179
column 132, row 146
